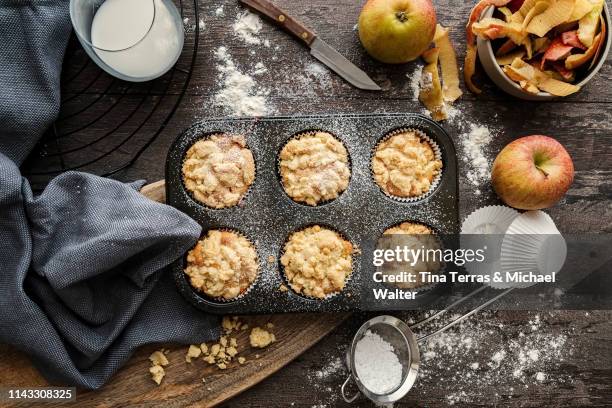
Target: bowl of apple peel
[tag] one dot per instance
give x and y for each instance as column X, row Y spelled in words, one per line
column 538, row 49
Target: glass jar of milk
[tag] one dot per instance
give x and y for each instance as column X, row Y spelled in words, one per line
column 134, row 40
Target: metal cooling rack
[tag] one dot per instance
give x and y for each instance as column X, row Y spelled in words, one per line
column 105, row 124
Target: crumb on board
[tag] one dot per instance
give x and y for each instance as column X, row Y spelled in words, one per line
column 193, row 352
column 157, row 373
column 260, row 338
column 158, row 360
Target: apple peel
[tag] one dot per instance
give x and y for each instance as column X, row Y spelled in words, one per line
column 557, row 88
column 448, row 65
column 527, row 5
column 571, row 38
column 540, row 45
column 587, row 26
column 559, row 12
column 601, row 42
column 507, row 13
column 581, row 9
column 578, row 60
column 507, row 59
column 471, row 54
column 529, row 76
column 494, row 28
column 539, row 8
column 505, row 48
column 431, row 91
column 556, row 51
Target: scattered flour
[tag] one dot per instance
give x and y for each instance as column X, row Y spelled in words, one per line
column 323, row 381
column 463, row 357
column 474, row 144
column 239, row 93
column 247, row 27
column 415, row 82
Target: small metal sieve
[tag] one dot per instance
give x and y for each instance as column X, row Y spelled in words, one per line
column 405, row 344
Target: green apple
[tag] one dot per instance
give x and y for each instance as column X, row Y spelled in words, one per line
column 532, row 173
column 397, row 31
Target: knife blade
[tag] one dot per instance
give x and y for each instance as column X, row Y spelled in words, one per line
column 341, row 66
column 318, row 48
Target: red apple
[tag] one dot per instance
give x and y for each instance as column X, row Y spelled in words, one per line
column 532, row 173
column 397, row 31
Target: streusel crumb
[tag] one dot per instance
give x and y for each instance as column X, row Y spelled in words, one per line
column 314, row 167
column 405, row 166
column 317, row 261
column 219, row 170
column 222, row 265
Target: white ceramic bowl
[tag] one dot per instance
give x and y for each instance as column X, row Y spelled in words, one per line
column 494, row 71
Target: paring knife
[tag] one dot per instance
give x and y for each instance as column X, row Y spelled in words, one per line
column 318, row 48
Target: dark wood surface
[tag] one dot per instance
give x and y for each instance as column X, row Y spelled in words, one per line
column 582, row 122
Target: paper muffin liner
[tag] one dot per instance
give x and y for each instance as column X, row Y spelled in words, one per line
column 533, row 223
column 311, row 133
column 443, row 265
column 192, row 195
column 329, row 295
column 252, row 284
column 493, row 219
column 437, row 156
column 533, row 244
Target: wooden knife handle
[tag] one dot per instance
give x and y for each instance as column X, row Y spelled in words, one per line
column 282, row 19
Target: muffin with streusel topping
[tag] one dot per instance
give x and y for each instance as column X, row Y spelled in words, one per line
column 405, row 165
column 317, row 262
column 223, row 265
column 219, row 170
column 417, row 238
column 314, row 168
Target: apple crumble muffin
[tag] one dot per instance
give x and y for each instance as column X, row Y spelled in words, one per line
column 314, row 167
column 223, row 265
column 317, row 261
column 413, row 236
column 219, row 170
column 405, row 166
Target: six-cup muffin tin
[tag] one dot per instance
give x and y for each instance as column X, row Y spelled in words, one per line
column 267, row 216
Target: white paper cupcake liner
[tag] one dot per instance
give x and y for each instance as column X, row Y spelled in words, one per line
column 533, row 222
column 203, row 204
column 310, row 133
column 249, row 288
column 437, row 156
column 491, row 220
column 494, row 219
column 533, row 244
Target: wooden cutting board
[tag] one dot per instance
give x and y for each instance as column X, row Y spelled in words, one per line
column 183, row 385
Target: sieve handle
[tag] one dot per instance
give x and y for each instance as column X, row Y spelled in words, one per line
column 446, row 309
column 465, row 316
column 343, row 391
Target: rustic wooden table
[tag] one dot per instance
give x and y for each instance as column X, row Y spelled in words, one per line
column 580, row 374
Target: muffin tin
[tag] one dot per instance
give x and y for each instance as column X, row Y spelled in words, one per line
column 267, row 216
